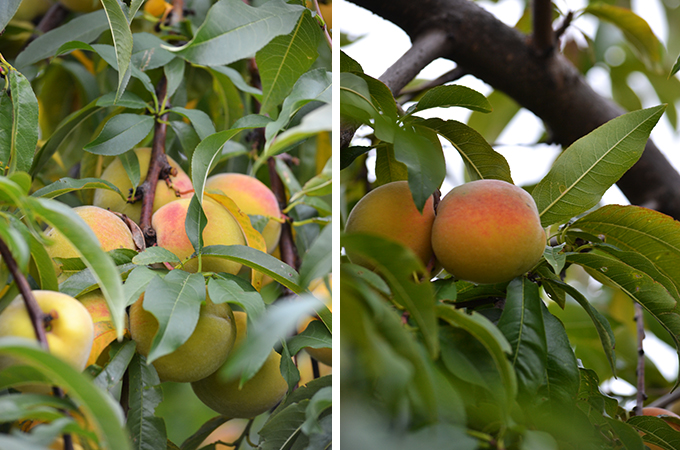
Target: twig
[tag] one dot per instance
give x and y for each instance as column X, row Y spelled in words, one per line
column 666, row 400
column 426, row 48
column 641, row 396
column 52, row 19
column 158, row 167
column 36, row 315
column 542, row 37
column 324, row 27
column 564, row 25
column 289, row 253
column 177, row 12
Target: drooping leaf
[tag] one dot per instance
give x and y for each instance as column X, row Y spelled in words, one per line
column 174, row 301
column 238, row 292
column 562, row 377
column 491, row 125
column 656, row 431
column 145, row 394
column 25, row 123
column 66, row 185
column 592, row 164
column 317, row 261
column 233, row 30
column 522, row 324
column 7, row 10
column 122, row 41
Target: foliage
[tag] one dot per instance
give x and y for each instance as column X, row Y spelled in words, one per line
column 518, row 365
column 224, row 87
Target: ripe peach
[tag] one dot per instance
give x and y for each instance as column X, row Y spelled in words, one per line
column 221, row 229
column 389, row 211
column 204, row 351
column 253, row 197
column 109, row 229
column 115, row 173
column 487, row 231
column 259, row 394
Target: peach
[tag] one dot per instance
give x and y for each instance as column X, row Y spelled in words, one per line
column 389, row 211
column 253, row 197
column 660, row 413
column 115, row 174
column 110, row 230
column 487, row 231
column 259, row 394
column 202, row 354
column 222, row 229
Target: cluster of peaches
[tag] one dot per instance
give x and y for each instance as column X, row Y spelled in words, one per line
column 485, row 231
column 74, row 323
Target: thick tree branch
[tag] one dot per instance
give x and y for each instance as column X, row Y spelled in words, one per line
column 542, row 37
column 550, row 87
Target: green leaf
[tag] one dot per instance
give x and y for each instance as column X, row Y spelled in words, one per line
column 25, row 123
column 66, row 185
column 7, row 11
column 137, row 281
column 374, row 107
column 120, row 356
column 656, row 431
column 264, row 332
column 312, row 124
column 636, row 30
column 562, row 379
column 651, row 234
column 238, row 80
column 122, row 41
column 108, row 54
column 602, row 325
column 194, row 224
column 419, row 149
column 649, row 293
column 201, row 122
column 85, row 28
column 175, row 302
column 146, row 430
column 148, row 54
column 317, row 261
column 81, row 236
column 98, row 406
column 452, row 95
column 387, row 168
column 491, row 337
column 585, row 170
column 481, row 160
column 284, row 428
column 5, row 130
column 62, row 134
column 233, row 30
column 155, row 255
column 260, row 261
column 231, row 289
column 522, row 325
column 397, row 265
column 314, row 85
column 676, row 68
column 316, row 335
column 120, row 134
column 284, row 59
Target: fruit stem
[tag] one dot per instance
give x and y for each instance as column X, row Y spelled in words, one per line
column 34, row 311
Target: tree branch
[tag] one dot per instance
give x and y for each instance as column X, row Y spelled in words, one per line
column 550, row 87
column 542, row 37
column 640, row 371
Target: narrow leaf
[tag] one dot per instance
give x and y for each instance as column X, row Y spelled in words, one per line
column 122, row 41
column 453, row 95
column 25, row 123
column 145, row 394
column 120, row 134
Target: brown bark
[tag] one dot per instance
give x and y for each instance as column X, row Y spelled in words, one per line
column 548, row 85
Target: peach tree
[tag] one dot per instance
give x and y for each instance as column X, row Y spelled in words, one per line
column 110, row 111
column 430, row 360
